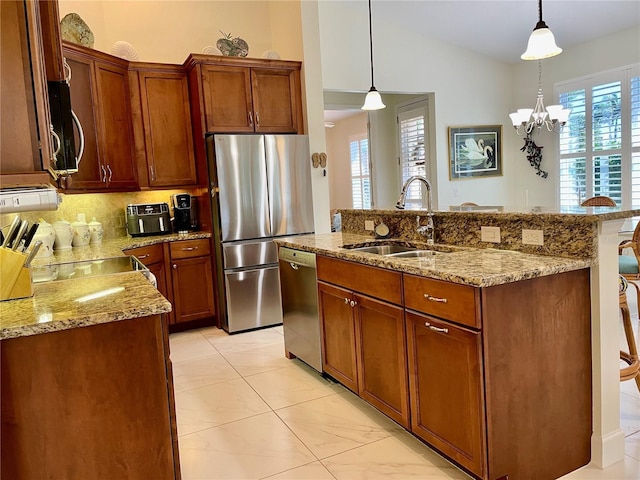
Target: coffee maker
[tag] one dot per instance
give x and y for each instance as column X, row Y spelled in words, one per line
column 185, row 215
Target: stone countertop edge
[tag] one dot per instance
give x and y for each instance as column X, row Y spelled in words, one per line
column 476, row 267
column 54, row 306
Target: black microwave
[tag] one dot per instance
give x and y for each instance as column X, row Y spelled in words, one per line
column 62, row 123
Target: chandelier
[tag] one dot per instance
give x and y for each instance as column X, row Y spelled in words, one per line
column 373, row 100
column 553, row 117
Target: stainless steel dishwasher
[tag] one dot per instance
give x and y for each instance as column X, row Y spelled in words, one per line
column 300, row 319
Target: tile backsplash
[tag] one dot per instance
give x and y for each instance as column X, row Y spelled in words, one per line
column 107, row 208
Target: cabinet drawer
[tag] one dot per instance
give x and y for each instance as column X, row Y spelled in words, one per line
column 373, row 281
column 147, row 255
column 458, row 303
column 189, row 248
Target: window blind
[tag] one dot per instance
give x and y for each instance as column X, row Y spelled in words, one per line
column 360, row 172
column 412, row 149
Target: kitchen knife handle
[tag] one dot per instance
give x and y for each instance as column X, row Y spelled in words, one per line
column 32, row 254
column 21, row 231
column 29, row 236
column 12, row 230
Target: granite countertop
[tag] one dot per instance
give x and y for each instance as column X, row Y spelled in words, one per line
column 478, row 267
column 73, row 303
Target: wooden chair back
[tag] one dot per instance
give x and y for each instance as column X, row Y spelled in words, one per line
column 599, row 201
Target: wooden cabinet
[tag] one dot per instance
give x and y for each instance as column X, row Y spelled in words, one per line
column 162, row 125
column 363, row 340
column 446, row 389
column 104, row 390
column 101, row 100
column 25, row 147
column 247, row 95
column 192, row 280
column 152, row 256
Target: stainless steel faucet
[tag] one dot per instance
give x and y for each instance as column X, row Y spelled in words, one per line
column 427, row 230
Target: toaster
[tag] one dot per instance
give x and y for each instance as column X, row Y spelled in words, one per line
column 148, row 219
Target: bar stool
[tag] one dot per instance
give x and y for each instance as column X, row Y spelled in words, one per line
column 631, row 357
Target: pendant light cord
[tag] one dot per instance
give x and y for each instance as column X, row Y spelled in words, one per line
column 540, row 10
column 371, row 43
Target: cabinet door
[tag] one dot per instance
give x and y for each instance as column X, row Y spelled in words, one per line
column 166, row 116
column 90, row 175
column 227, row 99
column 192, row 288
column 337, row 323
column 24, row 103
column 382, row 357
column 158, row 271
column 276, row 100
column 115, row 130
column 445, row 381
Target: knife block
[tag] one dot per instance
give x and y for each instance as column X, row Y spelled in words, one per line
column 15, row 279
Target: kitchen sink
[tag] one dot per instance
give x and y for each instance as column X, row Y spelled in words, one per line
column 415, row 254
column 384, row 249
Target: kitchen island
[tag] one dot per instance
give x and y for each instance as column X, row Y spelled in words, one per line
column 86, row 379
column 511, row 343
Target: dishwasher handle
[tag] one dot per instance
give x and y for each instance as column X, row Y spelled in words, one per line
column 297, row 258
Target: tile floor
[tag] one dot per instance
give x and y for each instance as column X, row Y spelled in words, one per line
column 246, row 412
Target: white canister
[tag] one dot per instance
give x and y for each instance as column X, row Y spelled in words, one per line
column 81, row 233
column 64, row 234
column 95, row 228
column 47, row 235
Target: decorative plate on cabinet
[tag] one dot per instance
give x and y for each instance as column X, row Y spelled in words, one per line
column 211, row 50
column 74, row 29
column 125, row 50
column 271, row 55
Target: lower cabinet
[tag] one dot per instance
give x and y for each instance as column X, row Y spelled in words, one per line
column 184, row 274
column 446, row 389
column 87, row 403
column 364, row 337
column 497, row 379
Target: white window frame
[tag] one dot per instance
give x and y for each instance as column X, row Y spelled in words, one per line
column 413, row 109
column 627, row 151
column 359, row 139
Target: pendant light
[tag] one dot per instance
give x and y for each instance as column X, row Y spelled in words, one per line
column 373, row 100
column 542, row 43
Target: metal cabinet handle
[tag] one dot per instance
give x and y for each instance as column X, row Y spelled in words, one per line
column 110, row 172
column 189, row 249
column 353, row 303
column 436, row 329
column 257, row 120
column 346, row 301
column 294, row 266
column 76, row 122
column 175, row 267
column 146, row 255
column 250, row 119
column 435, row 299
column 153, row 172
column 104, row 174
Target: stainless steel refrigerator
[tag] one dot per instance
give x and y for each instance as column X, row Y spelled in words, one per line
column 260, row 189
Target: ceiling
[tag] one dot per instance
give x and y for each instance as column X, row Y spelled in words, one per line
column 500, row 28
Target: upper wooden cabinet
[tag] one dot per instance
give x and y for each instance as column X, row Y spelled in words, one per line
column 162, row 125
column 100, row 98
column 247, row 95
column 25, row 147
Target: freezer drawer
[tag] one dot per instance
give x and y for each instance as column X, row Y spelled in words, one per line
column 253, row 298
column 249, row 254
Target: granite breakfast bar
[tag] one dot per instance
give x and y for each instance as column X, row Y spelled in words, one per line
column 578, row 239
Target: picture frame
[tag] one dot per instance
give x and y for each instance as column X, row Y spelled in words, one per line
column 475, row 151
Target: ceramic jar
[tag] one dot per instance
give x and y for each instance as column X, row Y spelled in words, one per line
column 95, row 228
column 64, row 234
column 81, row 233
column 47, row 235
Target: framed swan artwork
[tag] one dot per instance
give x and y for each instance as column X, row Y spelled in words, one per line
column 475, row 151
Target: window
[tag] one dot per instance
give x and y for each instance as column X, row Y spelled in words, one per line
column 600, row 145
column 412, row 147
column 360, row 172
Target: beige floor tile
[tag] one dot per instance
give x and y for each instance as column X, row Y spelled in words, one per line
column 632, row 447
column 258, row 358
column 247, row 449
column 336, row 423
column 217, row 404
column 224, row 342
column 399, row 457
column 288, row 386
column 189, row 345
column 313, row 471
column 629, row 414
column 200, row 372
column 628, row 469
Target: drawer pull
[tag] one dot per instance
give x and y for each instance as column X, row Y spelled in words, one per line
column 436, row 329
column 435, row 299
column 353, row 303
column 346, row 301
column 175, row 267
column 189, row 249
column 146, row 255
